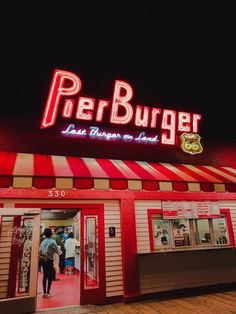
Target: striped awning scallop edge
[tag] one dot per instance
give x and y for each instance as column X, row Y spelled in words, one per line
column 20, row 170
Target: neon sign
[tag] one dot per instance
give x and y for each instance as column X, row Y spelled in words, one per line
column 66, row 86
column 96, row 132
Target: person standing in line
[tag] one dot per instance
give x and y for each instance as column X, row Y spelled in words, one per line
column 70, row 245
column 64, row 234
column 42, row 237
column 57, row 237
column 48, row 248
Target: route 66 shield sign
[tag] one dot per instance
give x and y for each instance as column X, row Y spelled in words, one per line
column 190, row 143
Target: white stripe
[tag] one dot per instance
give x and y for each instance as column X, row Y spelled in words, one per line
column 61, row 166
column 154, row 172
column 203, row 174
column 222, row 173
column 127, row 172
column 179, row 172
column 94, row 168
column 230, row 169
column 24, row 165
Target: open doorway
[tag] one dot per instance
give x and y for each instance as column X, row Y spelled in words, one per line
column 65, row 289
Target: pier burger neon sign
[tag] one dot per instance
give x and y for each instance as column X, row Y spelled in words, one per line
column 120, row 112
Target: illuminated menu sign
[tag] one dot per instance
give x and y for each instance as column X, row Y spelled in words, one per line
column 164, row 124
column 190, row 210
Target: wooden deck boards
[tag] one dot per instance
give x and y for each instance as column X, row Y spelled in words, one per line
column 214, row 303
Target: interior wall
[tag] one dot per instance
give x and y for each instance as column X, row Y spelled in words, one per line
column 61, row 222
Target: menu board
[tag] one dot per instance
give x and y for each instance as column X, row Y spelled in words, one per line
column 190, row 210
column 169, row 210
column 186, row 210
column 208, row 209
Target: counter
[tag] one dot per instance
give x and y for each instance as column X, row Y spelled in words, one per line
column 167, row 271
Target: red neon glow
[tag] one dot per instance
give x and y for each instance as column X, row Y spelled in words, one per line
column 121, row 111
column 102, row 104
column 184, row 122
column 85, row 109
column 196, row 118
column 121, row 102
column 144, row 112
column 59, row 88
column 68, row 108
column 155, row 113
column 168, row 123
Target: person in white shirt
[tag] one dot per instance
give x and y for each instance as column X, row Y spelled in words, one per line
column 70, row 245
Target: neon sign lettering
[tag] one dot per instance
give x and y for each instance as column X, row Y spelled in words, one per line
column 66, row 86
column 96, row 132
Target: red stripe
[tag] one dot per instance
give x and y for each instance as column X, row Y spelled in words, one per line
column 207, row 187
column 193, row 174
column 7, row 163
column 83, row 183
column 139, row 170
column 43, row 166
column 118, row 184
column 111, row 170
column 166, row 172
column 43, row 183
column 78, row 167
column 233, row 174
column 212, row 173
column 180, row 186
column 150, row 185
column 6, row 181
column 230, row 187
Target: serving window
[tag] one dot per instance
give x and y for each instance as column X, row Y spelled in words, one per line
column 174, row 234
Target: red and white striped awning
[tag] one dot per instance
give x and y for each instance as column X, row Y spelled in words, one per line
column 43, row 170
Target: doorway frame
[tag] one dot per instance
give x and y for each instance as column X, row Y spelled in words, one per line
column 98, row 295
column 83, row 208
column 28, row 302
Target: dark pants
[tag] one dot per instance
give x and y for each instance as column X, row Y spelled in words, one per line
column 62, row 261
column 48, row 272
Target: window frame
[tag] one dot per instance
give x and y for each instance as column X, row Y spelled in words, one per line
column 167, row 247
column 193, row 243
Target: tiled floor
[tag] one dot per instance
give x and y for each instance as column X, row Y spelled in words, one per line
column 65, row 292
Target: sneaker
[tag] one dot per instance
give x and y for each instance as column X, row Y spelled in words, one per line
column 45, row 295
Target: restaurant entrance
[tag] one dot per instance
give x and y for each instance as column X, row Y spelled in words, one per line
column 20, row 276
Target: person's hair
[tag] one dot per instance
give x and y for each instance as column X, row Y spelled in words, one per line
column 56, row 228
column 71, row 235
column 48, row 232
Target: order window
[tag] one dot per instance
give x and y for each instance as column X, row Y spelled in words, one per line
column 181, row 232
column 188, row 233
column 202, row 231
column 161, row 232
column 220, row 229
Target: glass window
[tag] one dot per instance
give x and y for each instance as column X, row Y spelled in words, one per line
column 161, row 232
column 181, row 233
column 202, row 231
column 188, row 233
column 220, row 231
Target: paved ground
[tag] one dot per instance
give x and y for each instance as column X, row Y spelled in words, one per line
column 214, row 303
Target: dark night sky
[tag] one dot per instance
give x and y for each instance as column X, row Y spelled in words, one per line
column 179, row 55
